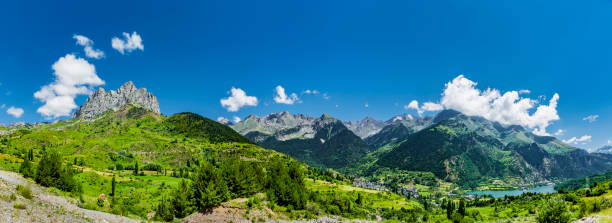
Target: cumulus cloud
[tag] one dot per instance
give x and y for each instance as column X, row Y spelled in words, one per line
column 88, row 47
column 427, row 106
column 237, row 119
column 591, row 118
column 128, row 44
column 282, row 98
column 73, row 76
column 222, row 120
column 15, row 112
column 509, row 108
column 583, row 139
column 237, row 100
column 560, row 132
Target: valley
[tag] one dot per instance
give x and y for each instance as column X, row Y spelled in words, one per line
column 128, row 161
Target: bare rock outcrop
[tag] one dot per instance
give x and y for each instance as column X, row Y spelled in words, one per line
column 102, row 101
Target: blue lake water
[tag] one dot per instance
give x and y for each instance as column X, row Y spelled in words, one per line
column 502, row 193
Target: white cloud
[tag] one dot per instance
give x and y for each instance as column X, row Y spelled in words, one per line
column 414, row 104
column 238, row 100
column 88, row 47
column 237, row 119
column 326, row 96
column 560, row 132
column 367, row 105
column 82, row 40
column 591, row 118
column 583, row 139
column 524, row 91
column 222, row 120
column 131, row 43
column 609, row 141
column 460, row 94
column 282, row 98
column 308, row 91
column 430, row 106
column 73, row 76
column 15, row 112
column 427, row 106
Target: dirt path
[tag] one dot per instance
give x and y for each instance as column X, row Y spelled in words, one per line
column 44, row 206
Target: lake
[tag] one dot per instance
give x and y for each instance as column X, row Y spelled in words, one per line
column 502, row 193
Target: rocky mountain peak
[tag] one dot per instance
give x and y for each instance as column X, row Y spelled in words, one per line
column 366, row 127
column 101, row 101
column 326, row 116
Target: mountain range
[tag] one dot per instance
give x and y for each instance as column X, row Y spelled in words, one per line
column 321, row 142
column 604, row 149
column 466, row 150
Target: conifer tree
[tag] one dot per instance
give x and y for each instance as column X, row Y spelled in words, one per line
column 135, row 168
column 113, row 182
column 449, row 209
column 461, row 209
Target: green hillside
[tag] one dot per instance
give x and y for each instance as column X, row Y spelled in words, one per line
column 133, row 162
column 470, row 150
column 332, row 146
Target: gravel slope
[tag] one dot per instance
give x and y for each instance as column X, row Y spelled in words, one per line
column 44, row 206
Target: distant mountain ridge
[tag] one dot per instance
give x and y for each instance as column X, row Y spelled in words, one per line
column 366, row 127
column 604, row 149
column 467, row 149
column 102, row 101
column 322, row 142
column 396, row 129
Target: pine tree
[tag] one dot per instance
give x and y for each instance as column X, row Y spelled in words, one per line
column 135, row 168
column 26, row 169
column 208, row 187
column 49, row 169
column 113, row 182
column 163, row 210
column 449, row 209
column 180, row 200
column 461, row 207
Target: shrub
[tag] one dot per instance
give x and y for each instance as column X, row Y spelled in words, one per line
column 26, row 169
column 19, row 205
column 24, row 191
column 100, row 202
column 51, row 173
column 553, row 210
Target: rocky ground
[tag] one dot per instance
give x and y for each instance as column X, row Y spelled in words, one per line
column 589, row 219
column 44, row 206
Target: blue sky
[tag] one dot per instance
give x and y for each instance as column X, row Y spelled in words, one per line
column 383, row 53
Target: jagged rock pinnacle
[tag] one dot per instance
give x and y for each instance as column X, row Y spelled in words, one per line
column 101, row 101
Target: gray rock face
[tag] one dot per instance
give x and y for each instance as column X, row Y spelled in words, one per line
column 283, row 126
column 101, row 101
column 366, row 127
